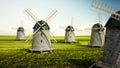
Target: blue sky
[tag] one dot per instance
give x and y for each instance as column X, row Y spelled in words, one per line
column 12, row 12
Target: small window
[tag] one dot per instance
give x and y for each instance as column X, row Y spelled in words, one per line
column 41, row 41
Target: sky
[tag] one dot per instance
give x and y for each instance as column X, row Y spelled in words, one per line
column 12, row 14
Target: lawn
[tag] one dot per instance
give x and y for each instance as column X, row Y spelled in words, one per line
column 14, row 54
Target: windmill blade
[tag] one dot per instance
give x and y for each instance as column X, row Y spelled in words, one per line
column 45, row 38
column 101, row 40
column 14, row 28
column 40, row 26
column 21, row 23
column 99, row 14
column 106, row 8
column 78, row 30
column 31, row 33
column 72, row 20
column 34, row 18
column 51, row 15
column 30, row 15
column 88, row 28
column 53, row 36
column 27, row 30
column 99, row 17
column 62, row 27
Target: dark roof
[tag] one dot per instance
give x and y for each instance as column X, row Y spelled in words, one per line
column 97, row 25
column 20, row 29
column 113, row 22
column 41, row 22
column 69, row 28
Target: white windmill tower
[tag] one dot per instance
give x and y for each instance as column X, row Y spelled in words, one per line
column 111, row 54
column 69, row 33
column 20, row 32
column 97, row 34
column 41, row 36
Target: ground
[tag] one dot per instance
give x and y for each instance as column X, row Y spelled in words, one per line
column 14, row 54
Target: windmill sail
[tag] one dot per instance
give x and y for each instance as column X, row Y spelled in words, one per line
column 41, row 35
column 69, row 33
column 111, row 54
column 20, row 32
column 106, row 8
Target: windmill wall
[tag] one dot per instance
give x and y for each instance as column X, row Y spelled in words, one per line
column 20, row 34
column 97, row 35
column 69, row 35
column 111, row 54
column 41, row 39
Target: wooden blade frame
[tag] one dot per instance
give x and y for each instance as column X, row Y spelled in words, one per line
column 51, row 16
column 71, row 23
column 53, row 36
column 30, row 15
column 99, row 17
column 35, row 19
column 106, row 8
column 21, row 23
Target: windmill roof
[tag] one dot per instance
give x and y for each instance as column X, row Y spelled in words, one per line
column 39, row 23
column 69, row 28
column 113, row 22
column 20, row 29
column 97, row 25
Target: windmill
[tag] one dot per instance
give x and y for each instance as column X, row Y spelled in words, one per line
column 41, row 35
column 69, row 33
column 20, row 32
column 97, row 34
column 111, row 54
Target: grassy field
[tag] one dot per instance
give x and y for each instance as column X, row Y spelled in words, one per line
column 14, row 54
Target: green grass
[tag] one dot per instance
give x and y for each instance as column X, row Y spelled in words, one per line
column 13, row 54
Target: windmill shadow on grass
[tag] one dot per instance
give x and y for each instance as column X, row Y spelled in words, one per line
column 80, row 63
column 58, row 41
column 28, row 51
column 7, row 39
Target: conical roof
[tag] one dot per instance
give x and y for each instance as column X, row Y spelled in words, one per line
column 69, row 28
column 97, row 25
column 20, row 29
column 39, row 23
column 113, row 22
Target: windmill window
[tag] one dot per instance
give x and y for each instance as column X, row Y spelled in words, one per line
column 41, row 41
